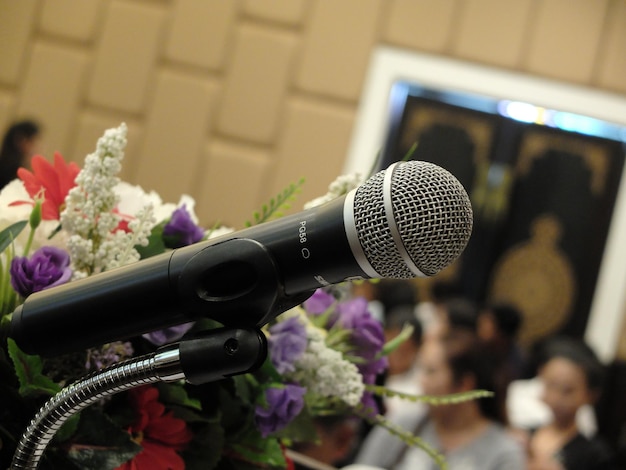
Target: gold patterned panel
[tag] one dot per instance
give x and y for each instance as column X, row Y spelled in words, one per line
column 537, row 278
column 538, row 144
column 421, row 118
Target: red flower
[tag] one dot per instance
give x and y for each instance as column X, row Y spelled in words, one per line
column 51, row 181
column 159, row 433
column 124, row 221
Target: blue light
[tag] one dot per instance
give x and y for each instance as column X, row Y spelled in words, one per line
column 519, row 111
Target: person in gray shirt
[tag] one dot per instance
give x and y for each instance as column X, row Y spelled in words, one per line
column 470, row 435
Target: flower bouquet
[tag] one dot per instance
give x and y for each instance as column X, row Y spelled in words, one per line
column 60, row 223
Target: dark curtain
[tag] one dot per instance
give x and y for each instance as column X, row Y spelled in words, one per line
column 542, row 200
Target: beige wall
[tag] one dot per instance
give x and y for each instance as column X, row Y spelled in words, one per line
column 230, row 101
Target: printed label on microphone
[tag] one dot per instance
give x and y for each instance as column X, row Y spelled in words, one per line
column 302, row 234
column 321, row 280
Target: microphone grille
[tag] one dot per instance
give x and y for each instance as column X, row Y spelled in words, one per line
column 430, row 209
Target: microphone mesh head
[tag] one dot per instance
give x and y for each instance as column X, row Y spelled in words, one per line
column 432, row 213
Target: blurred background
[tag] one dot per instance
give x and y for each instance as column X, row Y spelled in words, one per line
column 231, row 101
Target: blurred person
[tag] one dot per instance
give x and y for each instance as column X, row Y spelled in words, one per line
column 384, row 295
column 336, row 438
column 498, row 325
column 471, row 435
column 572, row 377
column 526, row 409
column 457, row 316
column 402, row 372
column 429, row 311
column 20, row 142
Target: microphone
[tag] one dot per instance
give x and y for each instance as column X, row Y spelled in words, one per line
column 412, row 219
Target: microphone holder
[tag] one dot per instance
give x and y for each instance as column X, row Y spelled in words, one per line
column 210, row 356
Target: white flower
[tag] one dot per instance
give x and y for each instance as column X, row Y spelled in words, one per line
column 96, row 243
column 15, row 191
column 219, row 231
column 323, row 370
column 342, row 185
column 133, row 198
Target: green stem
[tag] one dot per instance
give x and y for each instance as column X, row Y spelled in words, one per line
column 8, row 297
column 31, row 236
column 4, row 280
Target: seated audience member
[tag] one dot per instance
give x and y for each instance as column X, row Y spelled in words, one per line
column 525, row 408
column 429, row 311
column 386, row 294
column 572, row 377
column 459, row 318
column 337, row 436
column 471, row 434
column 402, row 373
column 497, row 327
column 18, row 145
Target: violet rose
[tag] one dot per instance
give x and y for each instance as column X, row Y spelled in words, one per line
column 181, row 229
column 168, row 335
column 319, row 302
column 287, row 342
column 283, row 405
column 47, row 267
column 367, row 336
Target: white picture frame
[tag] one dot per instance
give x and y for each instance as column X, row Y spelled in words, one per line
column 389, row 65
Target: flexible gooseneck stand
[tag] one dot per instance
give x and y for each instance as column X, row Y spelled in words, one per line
column 211, row 356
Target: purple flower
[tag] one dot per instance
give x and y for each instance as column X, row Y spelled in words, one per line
column 370, row 406
column 367, row 336
column 319, row 302
column 181, row 230
column 47, row 267
column 168, row 335
column 283, row 405
column 287, row 342
column 108, row 354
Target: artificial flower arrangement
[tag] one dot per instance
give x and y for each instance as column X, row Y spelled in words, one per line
column 59, row 223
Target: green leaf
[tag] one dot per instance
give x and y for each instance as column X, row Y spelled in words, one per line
column 237, row 415
column 300, row 429
column 10, row 233
column 450, row 399
column 393, row 344
column 68, row 429
column 267, row 370
column 277, row 205
column 410, row 152
column 100, row 444
column 177, row 395
column 254, row 448
column 56, row 230
column 205, row 451
column 29, row 372
column 156, row 244
column 245, row 388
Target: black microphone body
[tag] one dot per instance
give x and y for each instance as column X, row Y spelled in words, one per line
column 243, row 279
column 412, row 219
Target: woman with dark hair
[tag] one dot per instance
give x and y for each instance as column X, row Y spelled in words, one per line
column 471, row 434
column 19, row 143
column 572, row 377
